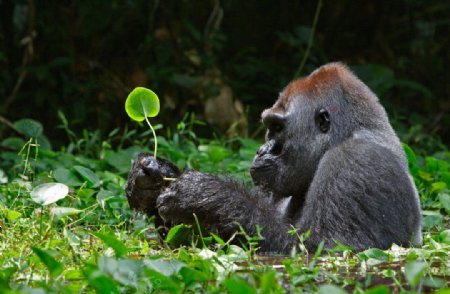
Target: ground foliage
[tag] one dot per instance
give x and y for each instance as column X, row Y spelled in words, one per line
column 90, row 241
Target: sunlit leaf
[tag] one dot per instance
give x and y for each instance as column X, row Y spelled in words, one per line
column 3, row 177
column 142, row 103
column 60, row 212
column 12, row 215
column 49, row 193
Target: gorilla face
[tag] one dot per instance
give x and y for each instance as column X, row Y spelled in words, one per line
column 298, row 134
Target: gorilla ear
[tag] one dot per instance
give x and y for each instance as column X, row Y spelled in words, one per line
column 323, row 120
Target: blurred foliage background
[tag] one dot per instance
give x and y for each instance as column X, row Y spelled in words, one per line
column 225, row 61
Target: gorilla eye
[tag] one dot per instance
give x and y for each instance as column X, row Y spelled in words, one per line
column 323, row 120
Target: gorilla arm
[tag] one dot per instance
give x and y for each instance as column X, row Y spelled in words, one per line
column 222, row 205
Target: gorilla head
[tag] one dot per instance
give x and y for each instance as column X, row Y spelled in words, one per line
column 312, row 115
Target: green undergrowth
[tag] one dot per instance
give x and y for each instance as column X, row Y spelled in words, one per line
column 90, row 241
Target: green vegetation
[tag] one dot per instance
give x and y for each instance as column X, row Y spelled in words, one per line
column 65, row 224
column 141, row 104
column 90, row 240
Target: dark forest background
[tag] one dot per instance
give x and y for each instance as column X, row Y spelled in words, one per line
column 225, row 61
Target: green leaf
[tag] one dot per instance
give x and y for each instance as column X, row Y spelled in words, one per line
column 380, row 289
column 166, row 267
column 29, row 127
column 12, row 215
column 331, row 289
column 178, row 235
column 444, row 199
column 102, row 283
column 142, row 103
column 111, row 241
column 269, row 283
column 88, row 175
column 191, row 276
column 374, row 253
column 49, row 193
column 414, row 272
column 161, row 283
column 3, row 177
column 67, row 177
column 55, row 267
column 438, row 186
column 60, row 212
column 429, row 221
column 236, row 285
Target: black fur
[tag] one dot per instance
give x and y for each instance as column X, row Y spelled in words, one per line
column 344, row 175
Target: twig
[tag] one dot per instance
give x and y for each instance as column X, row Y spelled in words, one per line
column 27, row 57
column 311, row 39
column 5, row 121
column 213, row 23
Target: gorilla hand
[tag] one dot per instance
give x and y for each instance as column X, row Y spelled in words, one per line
column 145, row 181
column 191, row 193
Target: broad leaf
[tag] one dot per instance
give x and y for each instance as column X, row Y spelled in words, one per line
column 331, row 289
column 68, row 177
column 142, row 103
column 111, row 241
column 49, row 193
column 235, row 285
column 55, row 267
column 29, row 127
column 60, row 212
column 414, row 272
column 88, row 175
column 178, row 235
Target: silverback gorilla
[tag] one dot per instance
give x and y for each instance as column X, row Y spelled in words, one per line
column 331, row 164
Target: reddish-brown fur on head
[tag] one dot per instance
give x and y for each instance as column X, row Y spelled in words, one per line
column 328, row 77
column 322, row 79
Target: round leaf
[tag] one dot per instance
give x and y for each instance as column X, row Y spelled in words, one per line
column 142, row 103
column 49, row 193
column 29, row 127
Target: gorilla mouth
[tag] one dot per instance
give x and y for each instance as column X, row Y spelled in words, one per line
column 267, row 157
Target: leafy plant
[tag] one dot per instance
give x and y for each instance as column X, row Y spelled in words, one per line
column 141, row 104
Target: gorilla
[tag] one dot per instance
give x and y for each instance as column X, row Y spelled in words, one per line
column 331, row 164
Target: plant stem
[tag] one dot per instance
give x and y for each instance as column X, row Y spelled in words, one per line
column 156, row 146
column 311, row 39
column 154, row 136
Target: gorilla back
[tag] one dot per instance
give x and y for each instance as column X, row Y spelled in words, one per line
column 330, row 153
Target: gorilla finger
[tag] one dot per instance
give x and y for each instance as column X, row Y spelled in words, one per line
column 150, row 166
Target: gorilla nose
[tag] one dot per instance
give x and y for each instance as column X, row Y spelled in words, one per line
column 266, row 148
column 149, row 165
